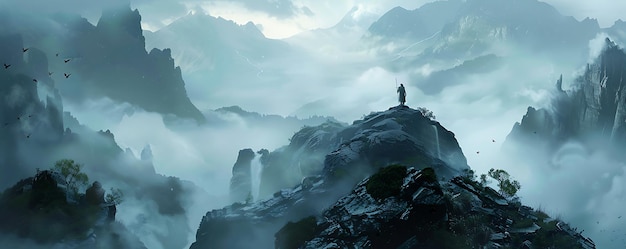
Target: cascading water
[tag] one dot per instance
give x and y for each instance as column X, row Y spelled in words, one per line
column 437, row 140
column 255, row 173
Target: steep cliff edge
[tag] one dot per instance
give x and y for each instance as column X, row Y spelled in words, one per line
column 593, row 111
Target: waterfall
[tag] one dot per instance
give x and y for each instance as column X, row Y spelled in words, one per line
column 437, row 140
column 255, row 176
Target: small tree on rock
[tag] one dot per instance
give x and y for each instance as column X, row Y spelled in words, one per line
column 508, row 187
column 115, row 196
column 73, row 176
column 427, row 113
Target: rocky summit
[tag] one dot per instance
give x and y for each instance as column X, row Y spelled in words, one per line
column 394, row 179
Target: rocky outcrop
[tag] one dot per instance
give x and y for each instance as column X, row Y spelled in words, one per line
column 426, row 213
column 241, row 182
column 323, row 163
column 304, row 156
column 398, row 135
column 80, row 220
column 593, row 111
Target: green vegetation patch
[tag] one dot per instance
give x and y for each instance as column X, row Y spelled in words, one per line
column 293, row 235
column 387, row 182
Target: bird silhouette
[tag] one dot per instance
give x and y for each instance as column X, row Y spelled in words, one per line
column 477, row 152
column 6, row 66
column 49, row 73
column 57, row 54
column 67, row 75
column 35, row 80
column 24, row 50
column 493, row 140
column 67, row 60
column 28, row 136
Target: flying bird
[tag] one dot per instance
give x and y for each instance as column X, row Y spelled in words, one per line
column 49, row 73
column 57, row 54
column 24, row 50
column 28, row 136
column 493, row 140
column 67, row 60
column 477, row 152
column 67, row 75
column 6, row 66
column 35, row 80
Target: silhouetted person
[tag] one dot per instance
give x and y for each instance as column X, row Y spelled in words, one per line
column 95, row 194
column 401, row 94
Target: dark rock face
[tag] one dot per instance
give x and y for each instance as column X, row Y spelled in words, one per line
column 26, row 121
column 335, row 158
column 304, row 156
column 95, row 194
column 398, row 135
column 241, row 182
column 431, row 214
column 360, row 221
column 111, row 61
column 593, row 111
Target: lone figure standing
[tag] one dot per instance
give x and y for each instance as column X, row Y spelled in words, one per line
column 401, row 94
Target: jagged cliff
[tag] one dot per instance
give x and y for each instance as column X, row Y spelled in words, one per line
column 594, row 110
column 241, row 182
column 110, row 60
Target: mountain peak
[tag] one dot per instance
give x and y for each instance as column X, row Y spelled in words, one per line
column 122, row 19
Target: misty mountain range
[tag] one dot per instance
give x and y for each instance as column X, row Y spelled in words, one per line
column 319, row 180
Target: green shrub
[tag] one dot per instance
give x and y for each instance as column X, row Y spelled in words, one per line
column 293, row 235
column 429, row 174
column 387, row 182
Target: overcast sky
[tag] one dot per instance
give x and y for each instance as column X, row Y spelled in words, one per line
column 283, row 18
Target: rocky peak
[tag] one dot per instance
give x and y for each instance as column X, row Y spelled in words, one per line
column 416, row 24
column 241, row 182
column 122, row 21
column 146, row 153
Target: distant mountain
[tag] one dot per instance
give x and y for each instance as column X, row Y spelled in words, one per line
column 352, row 26
column 268, row 120
column 417, row 24
column 332, row 189
column 445, row 34
column 107, row 60
column 214, row 52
